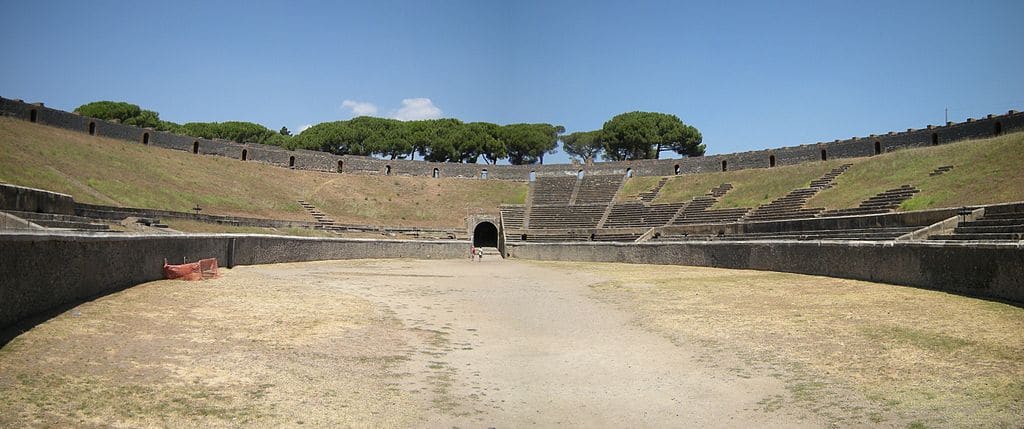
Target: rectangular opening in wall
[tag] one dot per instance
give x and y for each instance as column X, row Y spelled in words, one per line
column 32, row 115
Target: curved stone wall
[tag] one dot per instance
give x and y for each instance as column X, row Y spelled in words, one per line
column 320, row 161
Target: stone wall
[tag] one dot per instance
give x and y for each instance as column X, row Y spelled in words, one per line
column 994, row 271
column 46, row 272
column 22, row 199
column 321, row 161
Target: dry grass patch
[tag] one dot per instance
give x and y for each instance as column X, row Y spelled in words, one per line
column 911, row 356
column 234, row 351
column 100, row 170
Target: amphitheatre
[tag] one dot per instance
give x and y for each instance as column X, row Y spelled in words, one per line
column 875, row 281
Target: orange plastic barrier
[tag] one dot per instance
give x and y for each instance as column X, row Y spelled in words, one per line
column 203, row 269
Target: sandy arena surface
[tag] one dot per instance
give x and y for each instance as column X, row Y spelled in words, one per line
column 403, row 343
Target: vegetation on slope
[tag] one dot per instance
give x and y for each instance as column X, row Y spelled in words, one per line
column 106, row 171
column 985, row 171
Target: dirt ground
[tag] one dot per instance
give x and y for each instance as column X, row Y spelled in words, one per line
column 403, row 343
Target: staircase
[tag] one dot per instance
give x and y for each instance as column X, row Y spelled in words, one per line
column 322, row 219
column 648, row 196
column 939, row 171
column 992, row 226
column 884, row 202
column 792, row 205
column 696, row 211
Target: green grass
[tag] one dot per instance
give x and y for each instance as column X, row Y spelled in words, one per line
column 106, row 171
column 750, row 187
column 985, row 171
column 636, row 185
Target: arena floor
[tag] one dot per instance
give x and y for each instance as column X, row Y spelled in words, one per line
column 399, row 343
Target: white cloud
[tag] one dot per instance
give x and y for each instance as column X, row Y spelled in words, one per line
column 415, row 109
column 360, row 108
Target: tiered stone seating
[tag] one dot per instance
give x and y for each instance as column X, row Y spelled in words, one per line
column 61, row 221
column 598, row 189
column 553, row 190
column 696, row 211
column 791, row 206
column 513, row 216
column 997, row 226
column 649, row 196
column 637, row 215
column 562, row 217
column 881, row 233
column 884, row 202
column 616, row 236
column 549, row 237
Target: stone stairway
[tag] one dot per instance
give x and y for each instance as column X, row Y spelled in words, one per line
column 939, row 171
column 792, row 205
column 322, row 219
column 513, row 216
column 996, row 226
column 884, row 202
column 696, row 211
column 648, row 196
column 61, row 221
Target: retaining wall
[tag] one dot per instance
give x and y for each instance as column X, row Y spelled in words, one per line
column 987, row 271
column 22, row 199
column 40, row 272
column 321, row 161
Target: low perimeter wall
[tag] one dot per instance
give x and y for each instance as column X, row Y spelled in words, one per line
column 987, row 271
column 39, row 273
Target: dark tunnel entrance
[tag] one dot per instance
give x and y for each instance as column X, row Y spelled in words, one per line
column 485, row 235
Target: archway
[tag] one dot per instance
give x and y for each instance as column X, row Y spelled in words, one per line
column 340, row 165
column 32, row 115
column 533, row 175
column 291, row 161
column 195, row 146
column 629, row 173
column 935, row 139
column 92, row 128
column 771, row 161
column 485, row 234
column 677, row 169
column 824, row 155
column 387, row 170
column 725, row 165
column 437, row 173
column 878, row 147
column 483, row 173
column 579, row 174
column 145, row 138
column 245, row 154
column 999, row 128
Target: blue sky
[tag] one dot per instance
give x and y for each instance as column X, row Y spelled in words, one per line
column 749, row 75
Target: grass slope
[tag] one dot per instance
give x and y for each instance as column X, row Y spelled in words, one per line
column 107, row 171
column 985, row 171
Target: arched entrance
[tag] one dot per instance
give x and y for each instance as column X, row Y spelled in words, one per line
column 485, row 234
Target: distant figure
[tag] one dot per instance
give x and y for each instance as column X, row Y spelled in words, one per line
column 479, row 254
column 472, row 252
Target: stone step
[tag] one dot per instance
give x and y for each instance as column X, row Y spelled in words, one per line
column 989, row 229
column 65, row 224
column 993, row 222
column 980, row 236
column 1009, row 215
